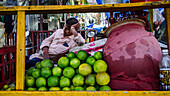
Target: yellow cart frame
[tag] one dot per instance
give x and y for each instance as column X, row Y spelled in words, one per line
column 21, row 11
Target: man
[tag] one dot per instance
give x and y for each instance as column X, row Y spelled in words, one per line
column 59, row 43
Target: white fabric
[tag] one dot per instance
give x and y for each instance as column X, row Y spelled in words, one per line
column 157, row 16
column 55, row 43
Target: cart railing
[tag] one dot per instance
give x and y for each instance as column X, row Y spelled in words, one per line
column 8, row 60
column 10, row 39
column 34, row 39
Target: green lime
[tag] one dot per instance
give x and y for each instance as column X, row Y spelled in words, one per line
column 46, row 72
column 54, row 89
column 47, row 63
column 29, row 81
column 98, row 55
column 105, row 88
column 30, row 70
column 81, row 54
column 69, row 72
column 40, row 82
column 90, row 60
column 52, row 81
column 71, row 55
column 38, row 65
column 66, row 89
column 90, row 88
column 78, row 89
column 42, row 89
column 85, row 69
column 62, row 77
column 57, row 71
column 9, row 89
column 36, row 73
column 31, row 89
column 64, row 82
column 63, row 62
column 100, row 66
column 102, row 78
column 75, row 63
column 90, row 80
column 6, row 86
column 78, row 80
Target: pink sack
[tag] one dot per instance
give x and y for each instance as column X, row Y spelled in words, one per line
column 132, row 55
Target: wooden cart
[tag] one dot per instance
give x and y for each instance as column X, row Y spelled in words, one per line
column 21, row 11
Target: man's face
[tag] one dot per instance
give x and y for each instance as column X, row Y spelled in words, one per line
column 77, row 27
column 67, row 30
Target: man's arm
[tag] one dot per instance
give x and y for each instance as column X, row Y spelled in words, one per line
column 46, row 42
column 79, row 39
column 45, row 45
column 74, row 29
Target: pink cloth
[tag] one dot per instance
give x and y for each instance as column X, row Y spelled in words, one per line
column 133, row 55
column 55, row 43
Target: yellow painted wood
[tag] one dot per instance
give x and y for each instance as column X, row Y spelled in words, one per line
column 167, row 21
column 20, row 56
column 20, row 71
column 84, row 93
column 85, row 8
column 151, row 18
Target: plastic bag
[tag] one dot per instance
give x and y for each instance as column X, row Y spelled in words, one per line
column 2, row 38
column 165, row 63
column 10, row 3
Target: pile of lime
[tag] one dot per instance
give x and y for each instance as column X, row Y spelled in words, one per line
column 9, row 87
column 75, row 72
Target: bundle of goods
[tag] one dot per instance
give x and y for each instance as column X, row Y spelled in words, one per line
column 133, row 56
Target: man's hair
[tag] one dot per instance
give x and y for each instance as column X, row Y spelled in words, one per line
column 71, row 21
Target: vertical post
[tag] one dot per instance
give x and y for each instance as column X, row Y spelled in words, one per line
column 41, row 22
column 20, row 60
column 32, row 33
column 167, row 23
column 151, row 18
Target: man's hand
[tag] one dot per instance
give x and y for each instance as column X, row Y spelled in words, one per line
column 156, row 25
column 46, row 55
column 74, row 29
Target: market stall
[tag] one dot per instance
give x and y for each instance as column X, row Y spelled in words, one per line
column 21, row 11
